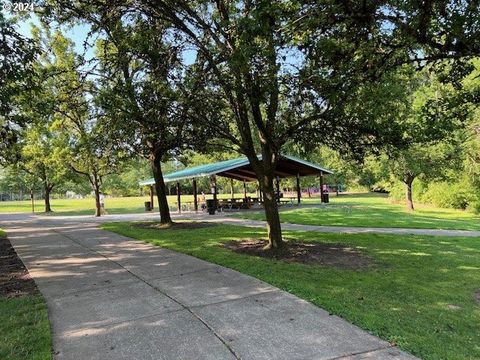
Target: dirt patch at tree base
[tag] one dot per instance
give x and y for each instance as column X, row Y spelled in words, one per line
column 15, row 281
column 176, row 225
column 322, row 254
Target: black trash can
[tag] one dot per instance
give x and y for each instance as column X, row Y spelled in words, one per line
column 148, row 206
column 326, row 197
column 211, row 206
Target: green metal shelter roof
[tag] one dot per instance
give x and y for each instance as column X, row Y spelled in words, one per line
column 240, row 169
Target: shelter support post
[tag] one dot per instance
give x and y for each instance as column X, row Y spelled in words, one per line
column 232, row 190
column 213, row 184
column 244, row 190
column 195, row 200
column 260, row 190
column 151, row 197
column 321, row 186
column 299, row 191
column 277, row 188
column 179, row 204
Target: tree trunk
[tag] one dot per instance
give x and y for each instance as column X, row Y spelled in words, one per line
column 47, row 189
column 408, row 192
column 98, row 208
column 161, row 190
column 274, row 228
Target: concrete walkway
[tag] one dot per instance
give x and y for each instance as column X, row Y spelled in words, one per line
column 110, row 297
column 351, row 229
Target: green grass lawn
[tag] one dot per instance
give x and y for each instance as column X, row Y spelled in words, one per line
column 374, row 210
column 85, row 206
column 24, row 328
column 420, row 293
column 120, row 205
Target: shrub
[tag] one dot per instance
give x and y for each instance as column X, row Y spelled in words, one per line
column 474, row 207
column 397, row 190
column 448, row 195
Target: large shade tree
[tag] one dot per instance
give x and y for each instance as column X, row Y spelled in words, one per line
column 433, row 118
column 77, row 116
column 275, row 89
column 44, row 153
column 94, row 155
column 142, row 83
column 43, row 146
column 17, row 54
column 141, row 79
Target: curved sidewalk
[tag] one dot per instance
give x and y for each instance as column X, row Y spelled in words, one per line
column 111, row 297
column 351, row 229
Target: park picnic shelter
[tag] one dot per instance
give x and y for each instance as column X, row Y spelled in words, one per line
column 240, row 169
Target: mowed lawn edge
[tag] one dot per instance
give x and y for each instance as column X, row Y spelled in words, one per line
column 24, row 327
column 419, row 294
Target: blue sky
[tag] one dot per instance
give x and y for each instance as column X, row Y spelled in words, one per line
column 77, row 33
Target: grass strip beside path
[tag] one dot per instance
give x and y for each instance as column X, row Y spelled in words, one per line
column 420, row 293
column 24, row 325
